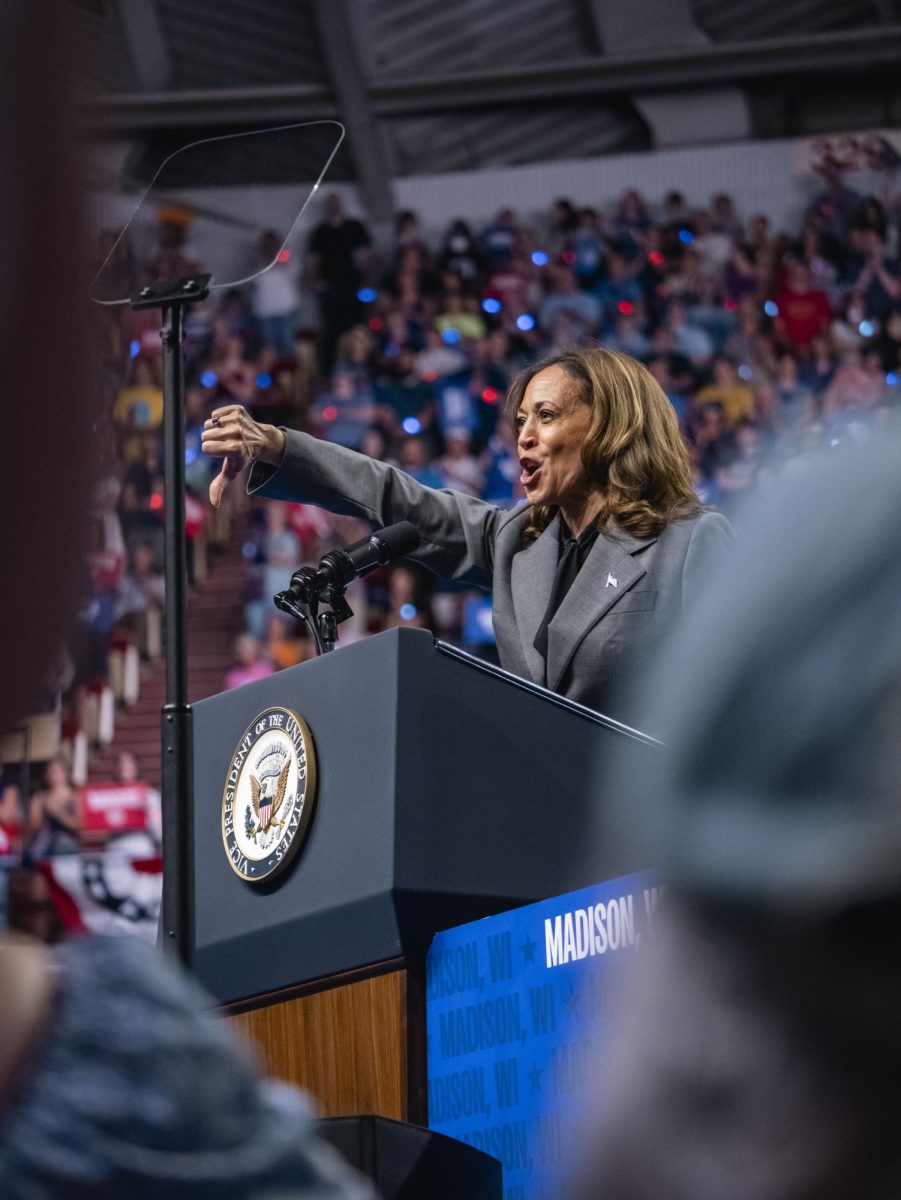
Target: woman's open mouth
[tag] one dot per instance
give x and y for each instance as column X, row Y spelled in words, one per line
column 529, row 467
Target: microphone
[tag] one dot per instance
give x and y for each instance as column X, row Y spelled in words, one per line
column 339, row 567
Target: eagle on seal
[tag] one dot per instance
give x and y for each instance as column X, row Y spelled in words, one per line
column 265, row 808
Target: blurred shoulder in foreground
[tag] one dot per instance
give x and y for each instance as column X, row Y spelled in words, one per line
column 125, row 1085
column 758, row 1045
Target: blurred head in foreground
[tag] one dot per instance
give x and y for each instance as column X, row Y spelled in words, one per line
column 47, row 436
column 759, row 1044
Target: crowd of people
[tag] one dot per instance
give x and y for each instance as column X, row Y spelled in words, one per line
column 771, row 345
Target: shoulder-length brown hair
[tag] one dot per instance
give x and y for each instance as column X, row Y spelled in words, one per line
column 634, row 452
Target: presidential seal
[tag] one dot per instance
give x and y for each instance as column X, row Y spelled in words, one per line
column 269, row 792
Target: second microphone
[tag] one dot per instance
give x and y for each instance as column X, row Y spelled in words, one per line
column 338, row 568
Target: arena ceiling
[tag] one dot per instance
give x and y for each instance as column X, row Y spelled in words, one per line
column 425, row 87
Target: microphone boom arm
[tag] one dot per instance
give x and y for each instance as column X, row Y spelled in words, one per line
column 302, row 600
column 311, row 585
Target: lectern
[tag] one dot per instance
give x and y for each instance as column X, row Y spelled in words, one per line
column 446, row 790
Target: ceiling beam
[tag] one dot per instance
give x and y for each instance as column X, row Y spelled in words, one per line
column 677, row 117
column 366, row 138
column 689, row 67
column 124, row 112
column 685, row 66
column 147, row 49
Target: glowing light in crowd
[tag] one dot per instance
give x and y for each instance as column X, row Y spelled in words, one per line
column 451, row 335
column 209, row 379
column 283, row 256
column 134, row 349
column 686, row 237
column 366, row 295
column 655, row 258
column 264, row 379
column 539, row 258
column 429, row 376
column 156, row 500
column 411, row 425
column 730, row 305
column 190, row 455
column 525, row 322
column 407, row 612
column 489, row 395
column 626, row 307
column 329, row 412
column 866, row 329
column 491, row 305
column 891, row 379
column 771, row 308
column 375, row 323
column 744, row 371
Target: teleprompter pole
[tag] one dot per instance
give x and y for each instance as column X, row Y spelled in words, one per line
column 176, row 917
column 176, row 925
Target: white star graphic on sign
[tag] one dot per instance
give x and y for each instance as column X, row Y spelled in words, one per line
column 611, row 582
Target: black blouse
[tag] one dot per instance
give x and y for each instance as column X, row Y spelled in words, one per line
column 573, row 552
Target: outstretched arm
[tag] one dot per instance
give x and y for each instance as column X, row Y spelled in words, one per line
column 457, row 531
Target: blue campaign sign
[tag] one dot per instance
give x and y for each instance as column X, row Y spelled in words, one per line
column 516, row 1008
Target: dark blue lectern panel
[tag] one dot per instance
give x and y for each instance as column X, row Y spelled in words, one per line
column 446, row 792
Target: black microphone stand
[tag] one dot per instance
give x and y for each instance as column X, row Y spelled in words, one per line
column 176, row 920
column 310, row 586
column 302, row 602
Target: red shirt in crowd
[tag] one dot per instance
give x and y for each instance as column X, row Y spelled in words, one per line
column 10, row 833
column 802, row 315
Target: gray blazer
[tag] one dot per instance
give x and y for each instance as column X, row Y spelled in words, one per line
column 625, row 599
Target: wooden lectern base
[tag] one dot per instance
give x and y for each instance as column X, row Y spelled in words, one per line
column 356, row 1043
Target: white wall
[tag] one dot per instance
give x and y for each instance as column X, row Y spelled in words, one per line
column 773, row 177
column 757, row 173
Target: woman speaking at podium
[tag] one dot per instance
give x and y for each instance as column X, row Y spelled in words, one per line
column 590, row 574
